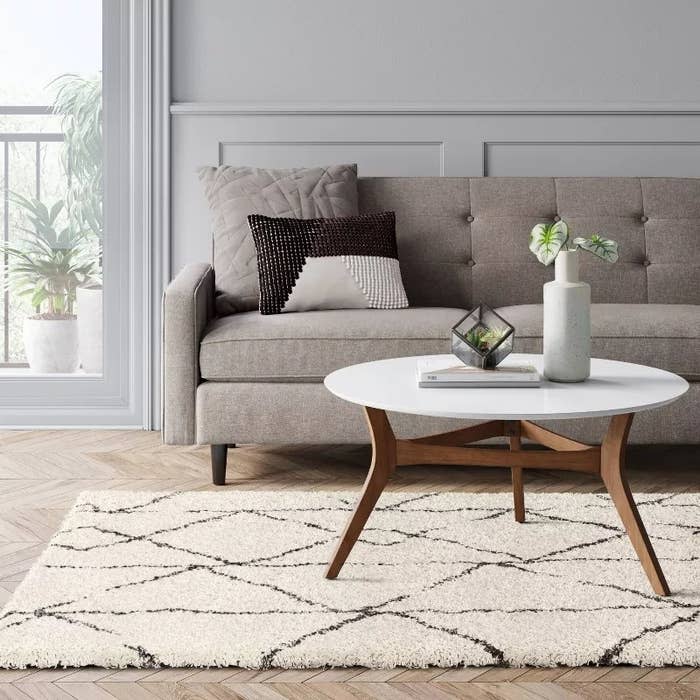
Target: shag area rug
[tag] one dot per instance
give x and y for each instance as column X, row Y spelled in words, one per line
column 236, row 579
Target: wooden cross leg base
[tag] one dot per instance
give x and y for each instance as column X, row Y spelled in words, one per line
column 606, row 461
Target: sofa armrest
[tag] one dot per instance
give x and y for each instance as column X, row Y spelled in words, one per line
column 188, row 305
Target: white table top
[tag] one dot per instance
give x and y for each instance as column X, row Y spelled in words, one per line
column 613, row 388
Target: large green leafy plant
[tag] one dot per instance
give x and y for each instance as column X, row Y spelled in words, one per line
column 60, row 250
column 547, row 240
column 49, row 263
column 79, row 102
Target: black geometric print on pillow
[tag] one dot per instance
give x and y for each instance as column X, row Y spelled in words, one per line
column 283, row 246
column 368, row 234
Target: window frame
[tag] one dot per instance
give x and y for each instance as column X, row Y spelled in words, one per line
column 123, row 396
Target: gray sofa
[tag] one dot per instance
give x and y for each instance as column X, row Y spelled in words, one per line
column 247, row 378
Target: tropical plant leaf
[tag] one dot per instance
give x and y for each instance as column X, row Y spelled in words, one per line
column 603, row 248
column 39, row 296
column 79, row 102
column 546, row 240
column 56, row 210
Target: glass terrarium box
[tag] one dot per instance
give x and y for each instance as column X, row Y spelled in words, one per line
column 482, row 338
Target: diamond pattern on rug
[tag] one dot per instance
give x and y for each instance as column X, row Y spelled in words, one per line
column 236, row 579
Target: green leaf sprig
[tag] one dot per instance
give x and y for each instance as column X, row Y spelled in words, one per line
column 547, row 240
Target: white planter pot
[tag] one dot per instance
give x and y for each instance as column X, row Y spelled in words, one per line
column 89, row 307
column 51, row 345
column 567, row 322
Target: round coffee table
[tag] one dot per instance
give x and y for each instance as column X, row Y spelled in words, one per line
column 616, row 389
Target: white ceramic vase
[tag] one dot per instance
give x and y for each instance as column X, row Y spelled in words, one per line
column 89, row 307
column 51, row 345
column 567, row 322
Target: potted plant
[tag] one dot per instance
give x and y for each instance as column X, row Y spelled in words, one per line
column 48, row 265
column 79, row 102
column 567, row 301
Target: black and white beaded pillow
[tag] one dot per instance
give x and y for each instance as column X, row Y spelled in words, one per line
column 346, row 263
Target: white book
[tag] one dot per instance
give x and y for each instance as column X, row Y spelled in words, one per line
column 438, row 373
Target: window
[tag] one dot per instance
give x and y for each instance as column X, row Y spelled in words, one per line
column 74, row 224
column 52, row 224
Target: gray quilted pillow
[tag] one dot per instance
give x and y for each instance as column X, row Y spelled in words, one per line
column 235, row 192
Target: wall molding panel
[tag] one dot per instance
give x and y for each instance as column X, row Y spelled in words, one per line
column 404, row 156
column 648, row 139
column 591, row 158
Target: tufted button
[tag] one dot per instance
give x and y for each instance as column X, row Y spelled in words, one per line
column 470, row 218
column 471, row 263
column 646, row 263
column 645, row 219
column 557, row 217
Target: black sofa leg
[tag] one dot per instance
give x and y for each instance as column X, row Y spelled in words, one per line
column 218, row 463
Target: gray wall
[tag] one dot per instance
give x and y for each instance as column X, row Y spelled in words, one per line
column 436, row 50
column 431, row 87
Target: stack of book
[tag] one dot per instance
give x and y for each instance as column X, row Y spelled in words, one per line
column 441, row 374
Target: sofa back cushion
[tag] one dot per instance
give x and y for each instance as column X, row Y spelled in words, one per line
column 463, row 241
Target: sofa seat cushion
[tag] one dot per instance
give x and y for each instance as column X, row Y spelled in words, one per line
column 660, row 335
column 308, row 345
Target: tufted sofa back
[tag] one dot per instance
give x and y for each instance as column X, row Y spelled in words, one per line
column 463, row 241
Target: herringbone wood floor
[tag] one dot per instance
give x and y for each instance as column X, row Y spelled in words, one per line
column 41, row 473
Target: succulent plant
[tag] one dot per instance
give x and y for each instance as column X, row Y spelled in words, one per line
column 483, row 338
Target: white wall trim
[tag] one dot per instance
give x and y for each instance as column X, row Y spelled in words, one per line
column 140, row 160
column 161, row 266
column 31, row 426
column 419, row 108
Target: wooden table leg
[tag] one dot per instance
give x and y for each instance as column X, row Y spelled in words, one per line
column 381, row 469
column 612, row 470
column 513, row 432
